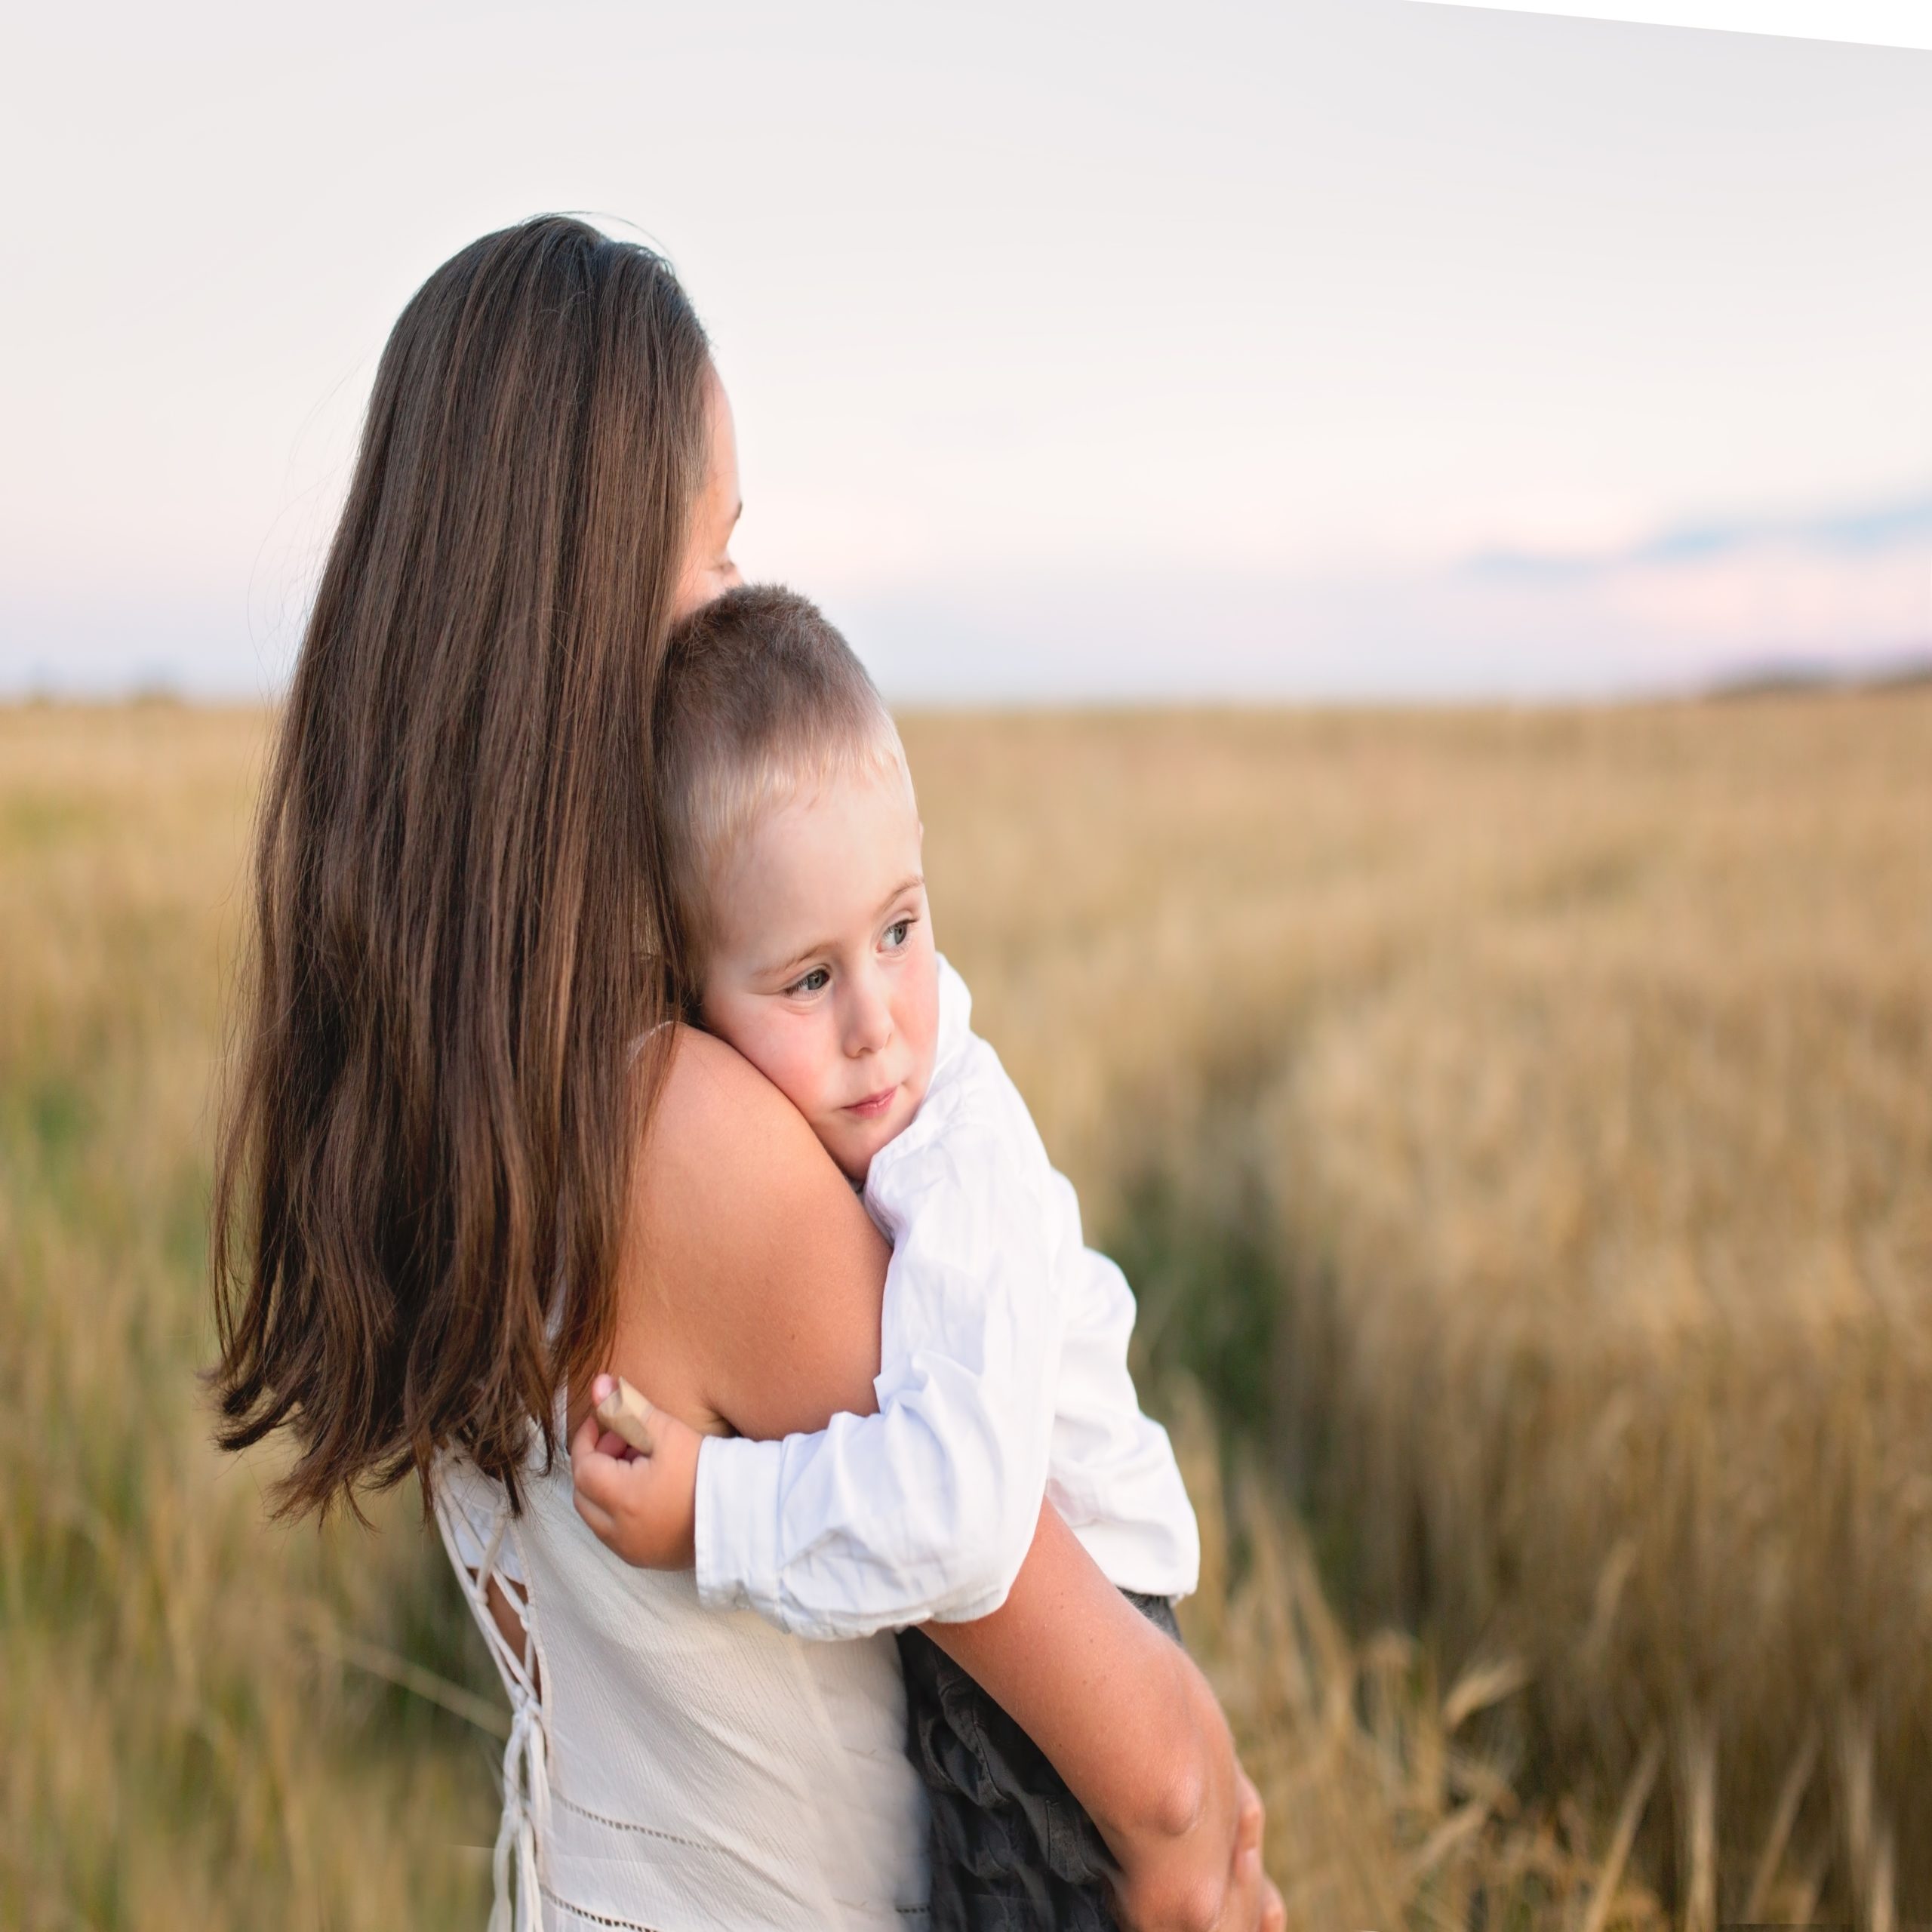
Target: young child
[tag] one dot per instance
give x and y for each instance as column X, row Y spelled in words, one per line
column 794, row 852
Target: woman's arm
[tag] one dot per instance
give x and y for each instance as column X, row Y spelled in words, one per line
column 1169, row 1809
column 751, row 1297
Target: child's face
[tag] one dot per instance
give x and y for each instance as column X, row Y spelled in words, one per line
column 821, row 973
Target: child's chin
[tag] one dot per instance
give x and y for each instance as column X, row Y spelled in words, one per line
column 855, row 1151
column 855, row 1143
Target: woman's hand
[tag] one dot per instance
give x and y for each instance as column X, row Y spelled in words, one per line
column 1127, row 1719
column 1168, row 1880
column 1252, row 1897
column 638, row 1490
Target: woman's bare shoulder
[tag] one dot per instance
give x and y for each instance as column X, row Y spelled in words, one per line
column 713, row 1100
column 760, row 1271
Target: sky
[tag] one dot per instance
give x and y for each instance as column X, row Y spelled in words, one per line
column 1876, row 23
column 1324, row 348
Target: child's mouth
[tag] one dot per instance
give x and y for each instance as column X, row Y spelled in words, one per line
column 873, row 1104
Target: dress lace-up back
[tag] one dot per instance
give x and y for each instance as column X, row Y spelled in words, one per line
column 670, row 1769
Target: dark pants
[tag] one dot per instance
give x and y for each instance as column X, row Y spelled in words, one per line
column 1012, row 1849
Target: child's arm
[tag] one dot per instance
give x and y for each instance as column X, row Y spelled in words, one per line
column 926, row 1510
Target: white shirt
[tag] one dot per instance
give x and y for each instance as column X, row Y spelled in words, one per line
column 1002, row 1376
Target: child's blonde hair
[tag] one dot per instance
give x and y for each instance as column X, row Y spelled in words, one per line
column 762, row 701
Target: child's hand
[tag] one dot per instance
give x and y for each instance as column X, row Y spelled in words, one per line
column 634, row 1470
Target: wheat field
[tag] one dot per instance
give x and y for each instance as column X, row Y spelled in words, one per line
column 1517, row 1127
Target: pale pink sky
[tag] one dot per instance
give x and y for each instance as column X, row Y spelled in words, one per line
column 1092, row 350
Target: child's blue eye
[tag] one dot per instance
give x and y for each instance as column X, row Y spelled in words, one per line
column 816, row 981
column 896, row 934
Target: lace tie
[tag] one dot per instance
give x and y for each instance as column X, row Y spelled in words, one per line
column 525, row 1824
column 524, row 1827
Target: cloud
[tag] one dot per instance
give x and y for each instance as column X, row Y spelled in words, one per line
column 1869, row 530
column 1673, row 611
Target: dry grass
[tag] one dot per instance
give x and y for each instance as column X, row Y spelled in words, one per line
column 1556, row 1089
column 1522, row 1126
column 1385, row 1807
column 184, row 1747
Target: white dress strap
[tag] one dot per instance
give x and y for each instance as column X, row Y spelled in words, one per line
column 480, row 1535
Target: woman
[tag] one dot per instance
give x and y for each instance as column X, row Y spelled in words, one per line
column 473, row 1159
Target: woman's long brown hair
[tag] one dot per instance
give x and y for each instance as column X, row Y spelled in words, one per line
column 457, row 881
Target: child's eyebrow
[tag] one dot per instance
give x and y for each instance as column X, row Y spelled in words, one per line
column 783, row 969
column 904, row 886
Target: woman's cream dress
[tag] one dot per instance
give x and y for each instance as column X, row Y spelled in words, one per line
column 673, row 1768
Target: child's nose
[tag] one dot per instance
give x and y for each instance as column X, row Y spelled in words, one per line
column 869, row 1027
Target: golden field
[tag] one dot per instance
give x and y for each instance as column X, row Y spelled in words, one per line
column 1518, row 1127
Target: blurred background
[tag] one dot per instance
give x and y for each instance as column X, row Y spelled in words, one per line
column 1401, row 538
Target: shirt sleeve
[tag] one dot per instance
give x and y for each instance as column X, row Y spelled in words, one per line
column 926, row 1510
